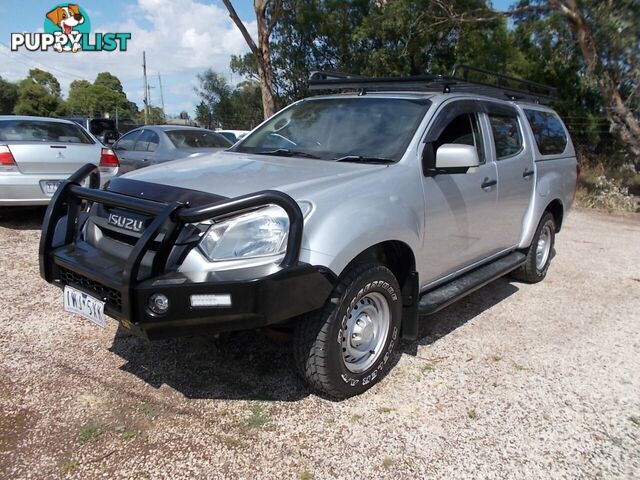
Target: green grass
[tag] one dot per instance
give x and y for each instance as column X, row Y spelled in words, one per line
column 496, row 357
column 306, row 476
column 426, row 368
column 384, row 410
column 387, row 462
column 472, row 414
column 635, row 419
column 520, row 368
column 129, row 434
column 356, row 418
column 88, row 433
column 70, row 466
column 149, row 411
column 231, row 442
column 258, row 418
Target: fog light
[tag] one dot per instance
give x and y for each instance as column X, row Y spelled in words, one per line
column 223, row 300
column 158, row 303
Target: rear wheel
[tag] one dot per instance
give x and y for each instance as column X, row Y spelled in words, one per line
column 540, row 252
column 345, row 348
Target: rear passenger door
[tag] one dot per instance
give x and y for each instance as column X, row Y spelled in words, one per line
column 515, row 172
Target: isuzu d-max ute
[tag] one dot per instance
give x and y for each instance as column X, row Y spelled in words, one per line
column 345, row 218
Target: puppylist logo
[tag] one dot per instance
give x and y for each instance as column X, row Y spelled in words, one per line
column 67, row 28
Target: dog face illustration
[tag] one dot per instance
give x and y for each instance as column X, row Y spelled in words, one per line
column 66, row 17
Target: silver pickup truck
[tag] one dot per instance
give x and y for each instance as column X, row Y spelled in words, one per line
column 344, row 218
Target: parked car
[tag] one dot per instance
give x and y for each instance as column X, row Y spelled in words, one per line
column 344, row 218
column 37, row 154
column 153, row 144
column 233, row 135
column 104, row 129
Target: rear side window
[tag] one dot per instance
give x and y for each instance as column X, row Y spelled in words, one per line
column 197, row 139
column 148, row 141
column 42, row 131
column 507, row 137
column 548, row 132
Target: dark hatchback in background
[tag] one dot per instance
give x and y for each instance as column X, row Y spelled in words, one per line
column 104, row 129
column 153, row 144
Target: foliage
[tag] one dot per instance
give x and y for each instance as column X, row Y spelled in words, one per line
column 39, row 94
column 156, row 116
column 590, row 51
column 8, row 96
column 227, row 107
column 105, row 95
column 607, row 194
column 400, row 37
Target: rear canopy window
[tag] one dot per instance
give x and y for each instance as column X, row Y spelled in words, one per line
column 42, row 131
column 548, row 132
column 197, row 139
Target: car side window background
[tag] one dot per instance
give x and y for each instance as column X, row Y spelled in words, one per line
column 507, row 137
column 128, row 141
column 548, row 131
column 148, row 141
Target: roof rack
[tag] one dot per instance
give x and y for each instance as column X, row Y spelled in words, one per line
column 463, row 78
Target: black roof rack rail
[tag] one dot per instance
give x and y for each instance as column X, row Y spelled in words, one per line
column 464, row 78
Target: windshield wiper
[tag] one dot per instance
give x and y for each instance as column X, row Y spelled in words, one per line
column 363, row 159
column 285, row 152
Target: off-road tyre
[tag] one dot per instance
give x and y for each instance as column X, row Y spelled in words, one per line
column 530, row 272
column 318, row 350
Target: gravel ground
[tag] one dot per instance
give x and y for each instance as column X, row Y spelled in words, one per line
column 516, row 381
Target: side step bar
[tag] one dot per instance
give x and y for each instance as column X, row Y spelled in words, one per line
column 435, row 300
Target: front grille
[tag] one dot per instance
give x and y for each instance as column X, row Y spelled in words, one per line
column 127, row 239
column 113, row 297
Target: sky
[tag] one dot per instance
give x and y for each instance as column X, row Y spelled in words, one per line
column 181, row 38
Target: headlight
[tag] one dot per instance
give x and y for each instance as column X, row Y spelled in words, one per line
column 259, row 233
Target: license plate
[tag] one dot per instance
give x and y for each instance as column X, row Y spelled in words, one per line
column 49, row 187
column 84, row 305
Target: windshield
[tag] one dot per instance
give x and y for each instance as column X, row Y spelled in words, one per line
column 197, row 139
column 336, row 128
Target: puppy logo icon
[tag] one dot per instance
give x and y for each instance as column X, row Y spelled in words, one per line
column 68, row 21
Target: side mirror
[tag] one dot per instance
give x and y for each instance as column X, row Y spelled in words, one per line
column 456, row 158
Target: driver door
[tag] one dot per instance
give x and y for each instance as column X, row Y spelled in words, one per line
column 460, row 207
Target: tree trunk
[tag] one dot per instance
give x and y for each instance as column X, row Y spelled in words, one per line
column 624, row 124
column 262, row 51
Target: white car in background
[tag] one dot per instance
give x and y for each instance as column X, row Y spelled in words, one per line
column 38, row 153
column 233, row 135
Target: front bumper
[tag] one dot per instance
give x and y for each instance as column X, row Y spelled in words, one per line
column 260, row 296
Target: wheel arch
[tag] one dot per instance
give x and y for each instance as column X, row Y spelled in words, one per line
column 398, row 257
column 556, row 209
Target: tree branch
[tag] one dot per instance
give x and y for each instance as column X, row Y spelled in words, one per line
column 236, row 19
column 277, row 9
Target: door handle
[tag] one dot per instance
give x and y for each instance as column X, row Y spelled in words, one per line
column 145, row 159
column 527, row 173
column 488, row 183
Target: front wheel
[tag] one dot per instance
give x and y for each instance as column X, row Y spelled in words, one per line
column 346, row 347
column 539, row 253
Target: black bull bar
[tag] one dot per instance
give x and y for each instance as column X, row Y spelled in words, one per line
column 72, row 201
